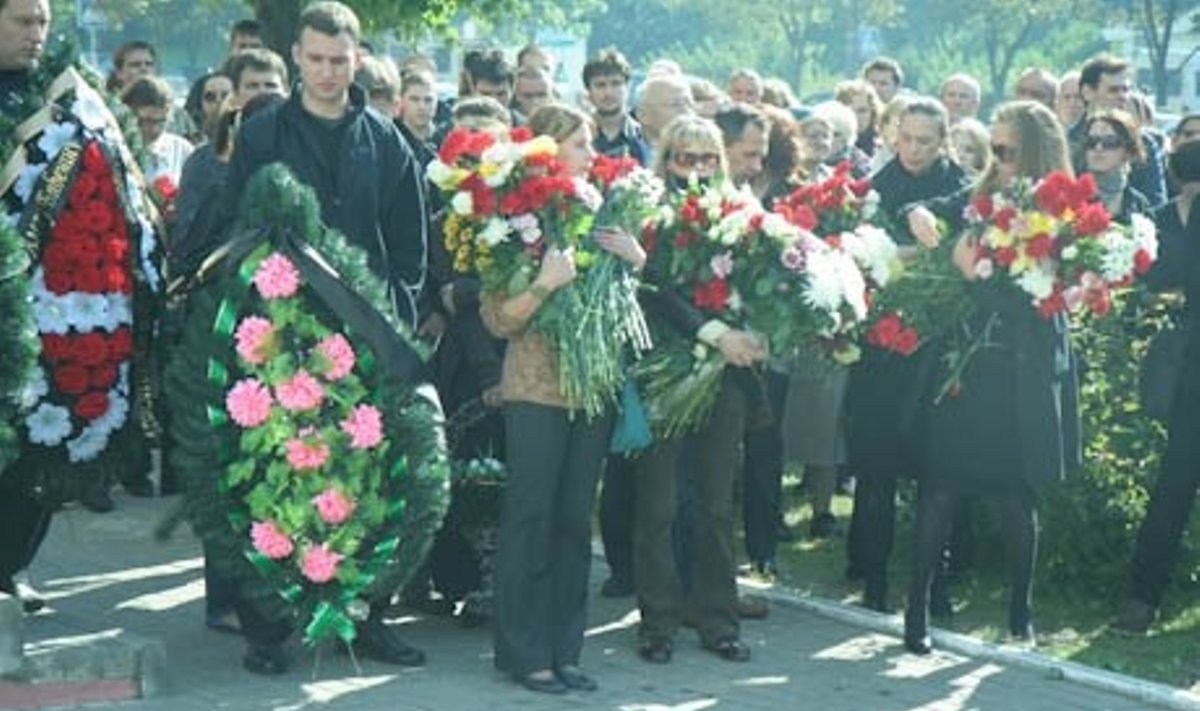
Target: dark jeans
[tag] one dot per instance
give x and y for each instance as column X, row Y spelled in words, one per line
column 762, row 492
column 545, row 537
column 713, row 596
column 1161, row 533
column 616, row 516
column 220, row 593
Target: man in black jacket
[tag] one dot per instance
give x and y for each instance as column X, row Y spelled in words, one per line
column 370, row 188
column 366, row 179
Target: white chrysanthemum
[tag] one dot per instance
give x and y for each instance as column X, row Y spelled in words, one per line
column 779, row 229
column 854, row 285
column 874, row 251
column 648, row 185
column 494, row 233
column 55, row 137
column 120, row 310
column 50, row 315
column 90, row 109
column 495, row 174
column 730, row 229
column 1145, row 234
column 462, row 204
column 735, row 302
column 86, row 312
column 88, row 445
column 1038, row 283
column 27, row 179
column 985, row 268
column 587, row 194
column 148, row 243
column 440, row 174
column 824, row 290
column 36, row 388
column 1070, row 252
column 870, row 204
column 1117, row 260
column 48, row 424
column 113, row 418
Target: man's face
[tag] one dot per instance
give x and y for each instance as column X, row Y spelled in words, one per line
column 418, row 104
column 1069, row 104
column 1187, row 131
column 1034, row 88
column 745, row 90
column 960, row 99
column 609, row 94
column 152, row 121
column 884, row 83
column 137, row 64
column 918, row 141
column 24, row 25
column 254, row 82
column 326, row 64
column 1111, row 92
column 531, row 93
column 241, row 42
column 499, row 91
column 746, row 155
column 661, row 104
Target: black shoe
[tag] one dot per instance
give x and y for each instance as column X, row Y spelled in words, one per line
column 823, row 526
column 265, row 659
column 616, row 586
column 97, row 499
column 916, row 631
column 575, row 679
column 875, row 596
column 731, row 649
column 550, row 685
column 918, row 644
column 656, row 650
column 376, row 641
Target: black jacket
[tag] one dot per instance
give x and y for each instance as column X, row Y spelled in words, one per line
column 898, row 189
column 373, row 193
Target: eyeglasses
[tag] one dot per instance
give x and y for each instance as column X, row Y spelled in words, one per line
column 1004, row 154
column 151, row 121
column 1103, row 143
column 687, row 159
column 212, row 96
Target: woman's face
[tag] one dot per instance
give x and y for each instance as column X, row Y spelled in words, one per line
column 696, row 159
column 576, row 152
column 1005, row 151
column 216, row 89
column 816, row 142
column 863, row 113
column 970, row 157
column 1104, row 151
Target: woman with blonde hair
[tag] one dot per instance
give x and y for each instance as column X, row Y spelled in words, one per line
column 1013, row 424
column 860, row 96
column 554, row 457
column 969, row 142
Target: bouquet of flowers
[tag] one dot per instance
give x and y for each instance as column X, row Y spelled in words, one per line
column 511, row 200
column 163, row 192
column 695, row 247
column 927, row 298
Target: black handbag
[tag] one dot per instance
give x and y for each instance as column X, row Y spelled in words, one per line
column 1162, row 366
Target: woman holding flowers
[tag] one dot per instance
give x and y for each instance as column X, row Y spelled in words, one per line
column 1005, row 421
column 554, row 457
column 691, row 160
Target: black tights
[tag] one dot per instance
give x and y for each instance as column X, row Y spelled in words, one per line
column 935, row 514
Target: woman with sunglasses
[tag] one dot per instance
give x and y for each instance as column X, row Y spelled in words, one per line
column 1112, row 142
column 554, row 456
column 691, row 149
column 1013, row 424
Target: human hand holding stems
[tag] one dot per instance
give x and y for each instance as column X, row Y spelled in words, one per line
column 621, row 244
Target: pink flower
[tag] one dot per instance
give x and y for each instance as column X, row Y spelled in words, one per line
column 277, row 278
column 254, row 336
column 340, row 355
column 249, row 403
column 269, row 540
column 721, row 265
column 792, row 259
column 319, row 564
column 364, row 424
column 333, row 507
column 301, row 392
column 306, row 455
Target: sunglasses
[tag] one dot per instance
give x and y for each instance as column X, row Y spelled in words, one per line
column 1104, row 143
column 688, row 159
column 1004, row 154
column 215, row 95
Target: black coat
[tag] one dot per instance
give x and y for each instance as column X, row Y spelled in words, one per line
column 899, row 189
column 372, row 192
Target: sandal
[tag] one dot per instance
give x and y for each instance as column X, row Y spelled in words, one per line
column 731, row 649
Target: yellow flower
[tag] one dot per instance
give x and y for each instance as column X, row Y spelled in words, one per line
column 997, row 238
column 1040, row 222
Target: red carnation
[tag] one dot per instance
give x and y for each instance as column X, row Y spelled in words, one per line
column 1098, row 300
column 834, row 241
column 83, row 189
column 115, row 249
column 92, row 405
column 690, row 210
column 906, row 341
column 1005, row 256
column 1142, row 261
column 89, row 280
column 107, row 192
column 520, row 134
column 1092, row 219
column 120, row 344
column 1054, row 193
column 1053, row 304
column 71, row 379
column 712, row 295
column 103, row 376
column 90, row 348
column 1039, row 246
column 55, row 346
column 464, row 141
column 860, row 187
column 1082, row 191
column 98, row 216
column 984, row 205
column 683, row 238
column 94, row 160
column 1004, row 217
column 165, row 187
column 58, row 281
column 884, row 331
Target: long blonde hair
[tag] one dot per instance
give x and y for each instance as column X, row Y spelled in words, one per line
column 1041, row 144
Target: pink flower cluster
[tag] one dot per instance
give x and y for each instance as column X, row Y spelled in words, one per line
column 254, row 337
column 270, row 541
column 319, row 564
column 248, row 403
column 339, row 353
column 303, row 455
column 333, row 506
column 277, row 277
column 364, row 424
column 300, row 392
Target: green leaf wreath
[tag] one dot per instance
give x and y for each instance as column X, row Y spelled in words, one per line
column 315, row 465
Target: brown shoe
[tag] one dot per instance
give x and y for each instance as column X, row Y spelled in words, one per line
column 752, row 607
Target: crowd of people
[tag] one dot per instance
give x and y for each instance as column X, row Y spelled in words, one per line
column 360, row 130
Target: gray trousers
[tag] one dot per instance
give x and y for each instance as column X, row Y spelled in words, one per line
column 545, row 540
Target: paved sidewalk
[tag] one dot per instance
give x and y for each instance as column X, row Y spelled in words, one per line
column 104, row 572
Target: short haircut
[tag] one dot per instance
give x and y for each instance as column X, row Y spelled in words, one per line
column 329, row 18
column 840, row 118
column 1098, row 66
column 121, row 53
column 885, row 64
column 416, row 77
column 962, row 78
column 734, row 119
column 689, row 129
column 746, row 73
column 531, row 48
column 488, row 65
column 607, row 62
column 777, row 92
column 379, row 77
column 257, row 59
column 148, row 91
column 928, row 107
column 847, row 91
column 245, row 27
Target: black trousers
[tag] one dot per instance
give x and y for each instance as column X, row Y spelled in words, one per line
column 545, row 538
column 24, row 522
column 762, row 489
column 616, row 516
